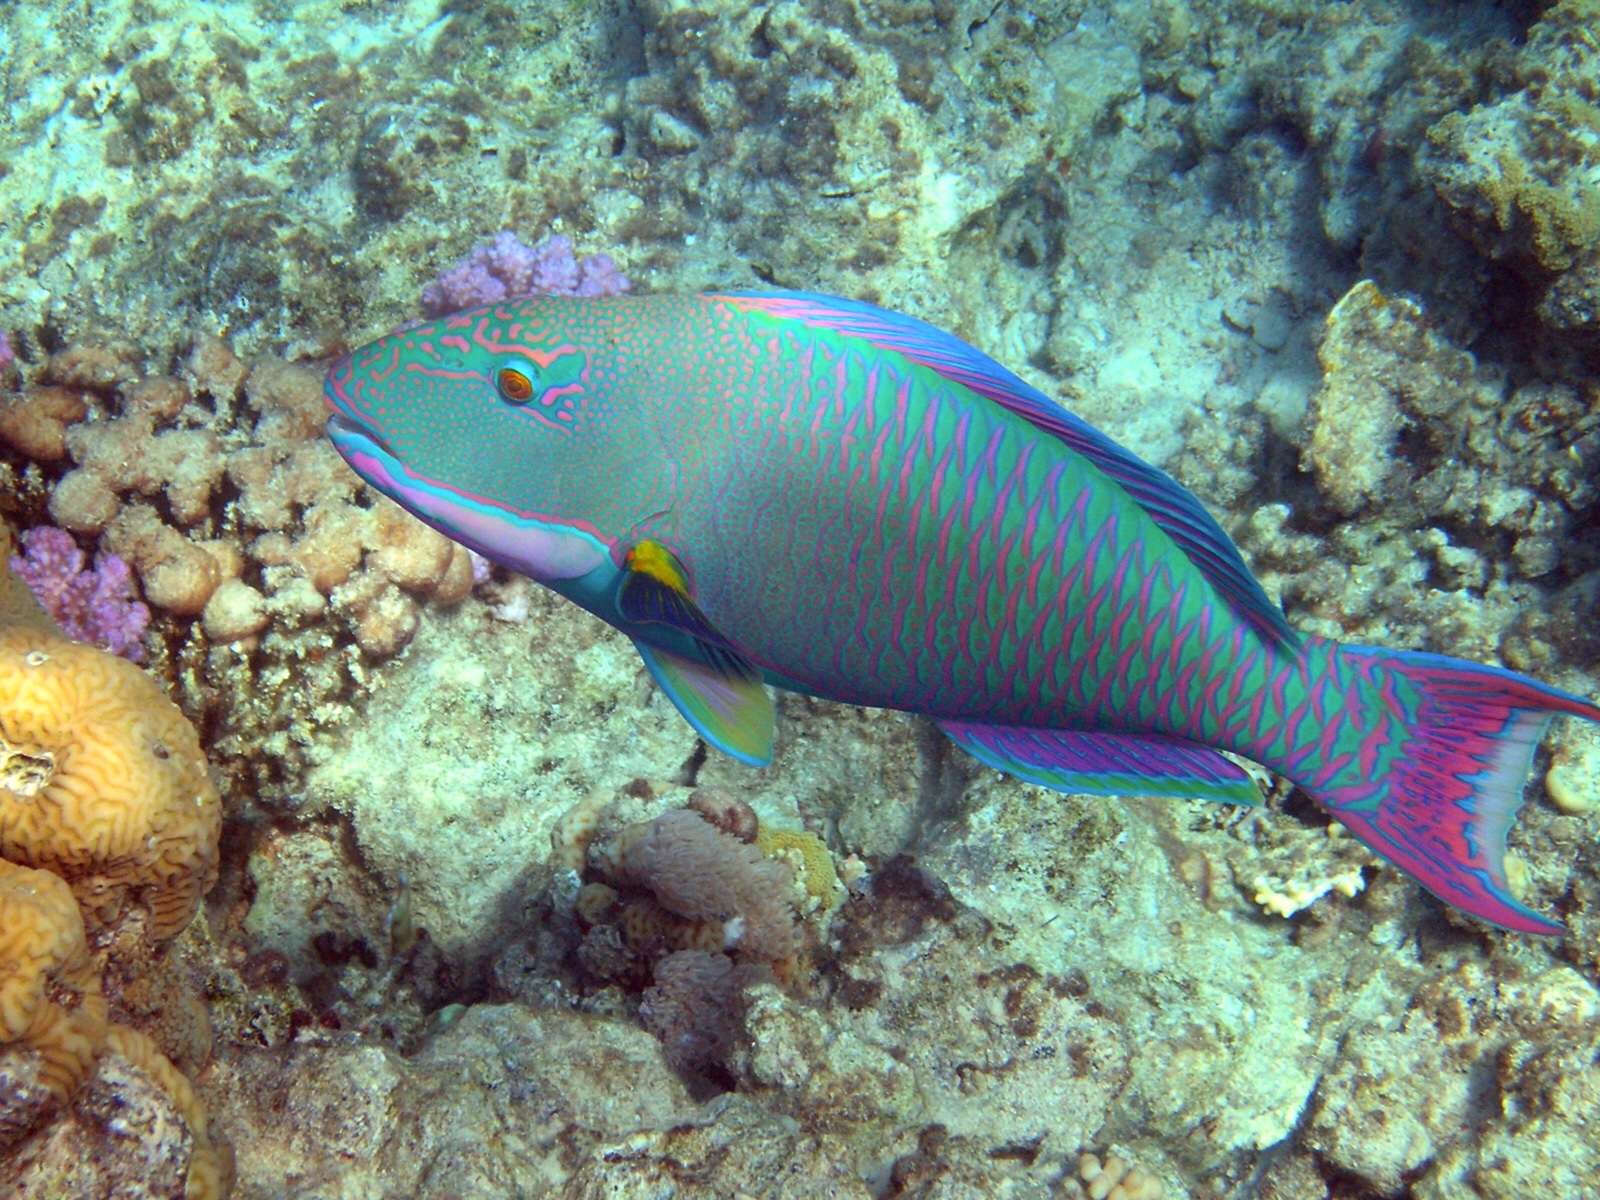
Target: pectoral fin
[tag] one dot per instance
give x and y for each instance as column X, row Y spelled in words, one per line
column 723, row 696
column 726, row 702
column 655, row 589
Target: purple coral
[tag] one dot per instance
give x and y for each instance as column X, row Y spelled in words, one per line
column 90, row 606
column 505, row 269
column 9, row 355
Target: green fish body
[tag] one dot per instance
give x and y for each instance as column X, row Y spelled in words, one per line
column 833, row 499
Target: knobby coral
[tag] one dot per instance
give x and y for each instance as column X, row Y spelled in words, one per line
column 1114, row 1179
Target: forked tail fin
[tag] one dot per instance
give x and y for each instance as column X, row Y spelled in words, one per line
column 1440, row 806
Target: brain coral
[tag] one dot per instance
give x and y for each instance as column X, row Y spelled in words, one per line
column 210, row 1173
column 50, row 1002
column 102, row 781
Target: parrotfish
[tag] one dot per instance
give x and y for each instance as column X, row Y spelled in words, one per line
column 820, row 495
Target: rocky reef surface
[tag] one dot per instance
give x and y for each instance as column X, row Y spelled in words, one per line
column 481, row 916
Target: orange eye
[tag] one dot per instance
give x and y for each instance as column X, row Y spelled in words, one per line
column 514, row 385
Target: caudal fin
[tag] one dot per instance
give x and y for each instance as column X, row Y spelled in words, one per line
column 1443, row 806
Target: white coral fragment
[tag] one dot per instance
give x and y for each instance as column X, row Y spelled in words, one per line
column 1285, row 897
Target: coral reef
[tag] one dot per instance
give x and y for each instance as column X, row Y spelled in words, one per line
column 1520, row 170
column 1573, row 780
column 693, row 1006
column 686, row 903
column 133, row 1129
column 1399, row 1098
column 474, row 933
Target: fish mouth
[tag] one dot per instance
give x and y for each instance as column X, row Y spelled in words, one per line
column 345, row 430
column 528, row 544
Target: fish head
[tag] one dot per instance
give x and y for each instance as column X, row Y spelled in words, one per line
column 481, row 424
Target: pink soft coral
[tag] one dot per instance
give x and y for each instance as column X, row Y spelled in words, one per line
column 90, row 606
column 505, row 269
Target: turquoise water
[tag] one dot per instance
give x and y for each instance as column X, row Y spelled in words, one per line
column 429, row 965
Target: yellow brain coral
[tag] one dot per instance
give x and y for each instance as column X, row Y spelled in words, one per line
column 210, row 1164
column 102, row 781
column 50, row 1000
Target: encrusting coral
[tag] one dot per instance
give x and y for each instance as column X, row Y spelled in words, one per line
column 102, row 781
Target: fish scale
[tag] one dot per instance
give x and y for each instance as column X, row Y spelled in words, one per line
column 821, row 495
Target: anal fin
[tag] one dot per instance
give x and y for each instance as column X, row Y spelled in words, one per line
column 1106, row 764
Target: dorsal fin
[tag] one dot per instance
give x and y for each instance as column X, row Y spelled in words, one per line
column 1170, row 505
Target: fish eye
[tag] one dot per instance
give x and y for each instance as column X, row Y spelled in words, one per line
column 514, row 385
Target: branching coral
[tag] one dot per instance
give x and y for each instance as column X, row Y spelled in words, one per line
column 90, row 606
column 1287, row 868
column 104, row 782
column 505, row 269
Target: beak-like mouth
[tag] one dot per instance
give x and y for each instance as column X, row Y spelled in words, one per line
column 527, row 543
column 345, row 430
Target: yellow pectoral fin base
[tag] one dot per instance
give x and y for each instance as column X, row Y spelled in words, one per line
column 727, row 703
column 655, row 590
